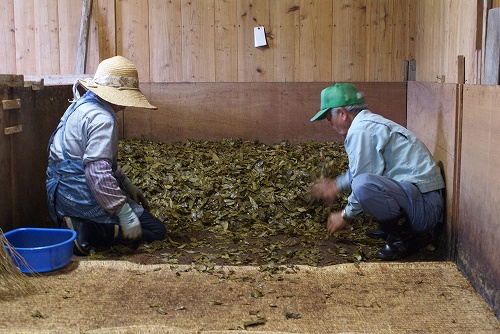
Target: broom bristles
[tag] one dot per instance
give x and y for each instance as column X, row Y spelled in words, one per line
column 13, row 283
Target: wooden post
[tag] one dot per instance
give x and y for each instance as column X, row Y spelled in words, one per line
column 461, row 69
column 486, row 6
column 81, row 55
column 492, row 57
column 8, row 102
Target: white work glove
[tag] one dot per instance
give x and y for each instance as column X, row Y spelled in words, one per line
column 129, row 223
column 135, row 193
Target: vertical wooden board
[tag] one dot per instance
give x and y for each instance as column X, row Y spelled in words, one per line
column 446, row 161
column 465, row 44
column 69, row 25
column 385, row 31
column 285, row 23
column 6, row 222
column 448, row 18
column 93, row 57
column 479, row 228
column 166, row 41
column 440, row 29
column 482, row 21
column 102, row 34
column 492, row 56
column 431, row 114
column 459, row 38
column 420, row 39
column 444, row 30
column 412, row 29
column 462, row 37
column 24, row 20
column 445, row 41
column 226, row 41
column 39, row 115
column 428, row 46
column 198, row 34
column 376, row 39
column 400, row 28
column 7, row 42
column 349, row 47
column 47, row 37
column 254, row 64
column 132, row 34
column 315, row 36
column 477, row 133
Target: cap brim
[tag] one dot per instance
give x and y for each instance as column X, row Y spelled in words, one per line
column 320, row 115
column 126, row 97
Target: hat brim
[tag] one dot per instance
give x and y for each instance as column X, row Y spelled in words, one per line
column 122, row 97
column 320, row 115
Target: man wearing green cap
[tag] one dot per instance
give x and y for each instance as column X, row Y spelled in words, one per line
column 392, row 176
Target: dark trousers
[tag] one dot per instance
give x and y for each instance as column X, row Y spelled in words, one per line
column 99, row 235
column 152, row 228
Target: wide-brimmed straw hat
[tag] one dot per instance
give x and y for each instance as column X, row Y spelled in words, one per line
column 117, row 81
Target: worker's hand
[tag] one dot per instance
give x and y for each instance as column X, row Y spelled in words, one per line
column 326, row 190
column 135, row 193
column 335, row 222
column 129, row 223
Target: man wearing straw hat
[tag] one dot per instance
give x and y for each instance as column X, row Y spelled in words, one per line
column 392, row 176
column 87, row 191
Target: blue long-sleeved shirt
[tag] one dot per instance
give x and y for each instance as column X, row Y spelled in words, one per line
column 380, row 146
column 91, row 134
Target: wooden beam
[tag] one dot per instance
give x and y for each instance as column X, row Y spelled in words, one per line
column 10, row 104
column 81, row 55
column 13, row 129
column 412, row 70
column 12, row 80
column 461, row 69
column 34, row 84
column 455, row 214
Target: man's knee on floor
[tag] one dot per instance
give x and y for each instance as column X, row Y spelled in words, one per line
column 362, row 185
column 152, row 228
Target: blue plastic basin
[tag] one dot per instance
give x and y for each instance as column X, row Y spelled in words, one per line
column 43, row 249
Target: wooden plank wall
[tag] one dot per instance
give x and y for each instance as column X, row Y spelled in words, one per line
column 268, row 112
column 479, row 225
column 212, row 40
column 24, row 155
column 433, row 118
column 460, row 125
column 445, row 30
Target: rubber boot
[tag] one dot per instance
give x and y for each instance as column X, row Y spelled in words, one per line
column 377, row 234
column 90, row 235
column 132, row 244
column 400, row 239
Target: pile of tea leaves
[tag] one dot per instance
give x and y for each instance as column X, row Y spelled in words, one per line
column 239, row 202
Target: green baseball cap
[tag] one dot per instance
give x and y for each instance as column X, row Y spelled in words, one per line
column 339, row 95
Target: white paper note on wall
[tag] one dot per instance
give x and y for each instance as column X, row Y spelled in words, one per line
column 259, row 36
